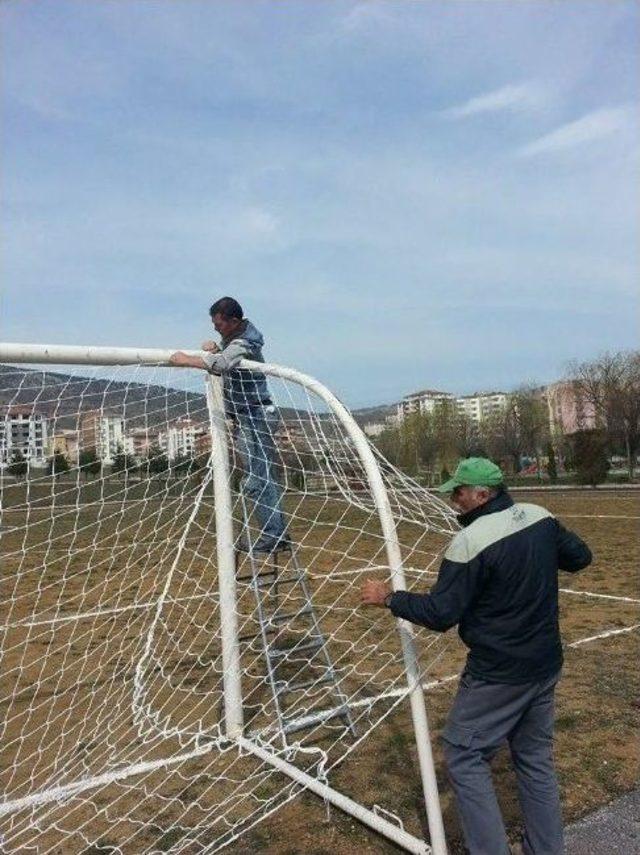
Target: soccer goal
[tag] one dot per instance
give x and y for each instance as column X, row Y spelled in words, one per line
column 168, row 683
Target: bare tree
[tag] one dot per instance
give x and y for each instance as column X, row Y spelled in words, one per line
column 502, row 437
column 521, row 428
column 454, row 433
column 416, row 444
column 608, row 388
column 533, row 421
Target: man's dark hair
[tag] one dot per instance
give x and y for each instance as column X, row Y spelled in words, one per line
column 227, row 307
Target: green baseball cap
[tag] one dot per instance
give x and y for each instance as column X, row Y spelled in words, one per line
column 474, row 472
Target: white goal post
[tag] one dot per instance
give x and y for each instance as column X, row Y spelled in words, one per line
column 325, row 446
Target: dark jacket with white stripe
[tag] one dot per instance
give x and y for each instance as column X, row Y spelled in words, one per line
column 499, row 582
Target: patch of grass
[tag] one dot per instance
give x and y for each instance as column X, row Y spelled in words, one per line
column 170, row 838
column 101, row 847
column 567, row 721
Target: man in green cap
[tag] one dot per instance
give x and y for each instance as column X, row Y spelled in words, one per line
column 498, row 582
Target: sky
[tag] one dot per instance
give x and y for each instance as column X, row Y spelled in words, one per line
column 402, row 195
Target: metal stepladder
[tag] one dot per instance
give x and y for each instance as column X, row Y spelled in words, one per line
column 303, row 680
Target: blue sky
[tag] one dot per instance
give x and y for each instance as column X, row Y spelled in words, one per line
column 402, row 195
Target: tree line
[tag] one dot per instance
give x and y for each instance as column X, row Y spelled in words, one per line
column 519, row 437
column 90, row 465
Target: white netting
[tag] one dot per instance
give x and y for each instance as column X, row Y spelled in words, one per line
column 112, row 726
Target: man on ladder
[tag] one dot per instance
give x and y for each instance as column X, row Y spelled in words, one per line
column 249, row 406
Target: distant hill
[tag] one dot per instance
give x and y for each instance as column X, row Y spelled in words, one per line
column 65, row 397
column 366, row 415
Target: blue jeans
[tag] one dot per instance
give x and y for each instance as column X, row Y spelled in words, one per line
column 255, row 428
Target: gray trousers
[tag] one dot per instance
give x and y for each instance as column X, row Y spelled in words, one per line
column 484, row 716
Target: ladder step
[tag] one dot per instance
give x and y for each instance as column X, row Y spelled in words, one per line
column 289, row 580
column 316, row 718
column 315, row 644
column 305, row 610
column 283, row 686
column 250, row 576
column 269, row 623
column 254, row 635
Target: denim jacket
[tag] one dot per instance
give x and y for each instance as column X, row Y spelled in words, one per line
column 242, row 389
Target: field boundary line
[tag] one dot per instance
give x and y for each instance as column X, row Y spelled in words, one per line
column 600, row 596
column 101, row 612
column 598, row 517
column 595, row 594
column 607, row 634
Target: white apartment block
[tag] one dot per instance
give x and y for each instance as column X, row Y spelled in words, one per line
column 180, row 439
column 374, row 428
column 23, row 430
column 421, row 402
column 103, row 432
column 481, row 406
column 476, row 407
column 139, row 440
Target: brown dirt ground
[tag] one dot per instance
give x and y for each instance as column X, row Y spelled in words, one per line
column 597, row 749
column 597, row 715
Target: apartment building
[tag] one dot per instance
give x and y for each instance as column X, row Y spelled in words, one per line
column 477, row 407
column 66, row 443
column 481, row 405
column 103, row 432
column 23, row 430
column 568, row 412
column 180, row 439
column 421, row 402
column 139, row 440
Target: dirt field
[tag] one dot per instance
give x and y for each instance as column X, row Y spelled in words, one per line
column 57, row 730
column 597, row 750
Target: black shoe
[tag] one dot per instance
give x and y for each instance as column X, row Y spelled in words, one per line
column 265, row 546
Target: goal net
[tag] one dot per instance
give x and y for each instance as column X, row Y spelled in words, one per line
column 116, row 684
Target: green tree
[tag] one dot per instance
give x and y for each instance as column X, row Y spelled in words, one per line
column 533, row 419
column 590, row 456
column 455, row 434
column 157, row 461
column 415, row 443
column 198, row 468
column 58, row 464
column 388, row 442
column 123, row 463
column 180, row 465
column 18, row 466
column 521, row 428
column 89, row 462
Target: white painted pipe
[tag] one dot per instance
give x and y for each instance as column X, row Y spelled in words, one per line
column 379, row 491
column 61, row 354
column 368, row 817
column 233, row 713
column 68, row 791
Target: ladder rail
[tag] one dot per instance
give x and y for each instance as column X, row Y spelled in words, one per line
column 275, row 657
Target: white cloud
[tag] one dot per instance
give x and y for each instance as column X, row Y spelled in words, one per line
column 520, row 96
column 364, row 15
column 593, row 126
